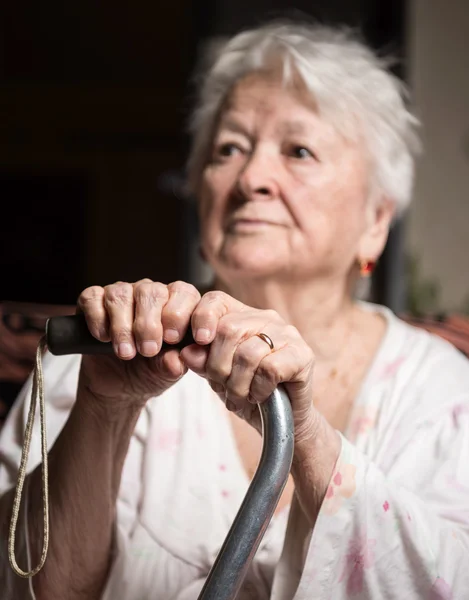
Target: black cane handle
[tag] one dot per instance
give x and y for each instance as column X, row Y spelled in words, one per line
column 70, row 335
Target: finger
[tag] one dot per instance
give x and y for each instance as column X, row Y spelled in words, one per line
column 91, row 304
column 232, row 330
column 195, row 358
column 149, row 299
column 248, row 412
column 217, row 388
column 211, row 308
column 292, row 365
column 177, row 313
column 246, row 359
column 119, row 305
column 172, row 367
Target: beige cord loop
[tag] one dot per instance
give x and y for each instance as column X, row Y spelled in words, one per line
column 38, row 390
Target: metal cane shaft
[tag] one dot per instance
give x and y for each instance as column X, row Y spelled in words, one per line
column 70, row 335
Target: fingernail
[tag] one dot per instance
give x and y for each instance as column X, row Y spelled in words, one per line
column 171, row 335
column 230, row 405
column 148, row 348
column 183, row 368
column 125, row 349
column 202, row 335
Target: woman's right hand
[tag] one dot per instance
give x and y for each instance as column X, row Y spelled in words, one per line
column 136, row 318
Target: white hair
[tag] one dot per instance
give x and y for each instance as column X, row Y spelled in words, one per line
column 346, row 79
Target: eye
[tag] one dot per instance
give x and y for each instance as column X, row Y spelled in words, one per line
column 301, row 152
column 226, row 150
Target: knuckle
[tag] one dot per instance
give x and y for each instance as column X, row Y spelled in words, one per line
column 149, row 293
column 235, row 395
column 178, row 285
column 270, row 370
column 231, row 388
column 184, row 288
column 273, row 315
column 159, row 290
column 309, row 354
column 216, row 387
column 292, row 332
column 244, row 356
column 229, row 328
column 175, row 314
column 215, row 296
column 90, row 295
column 119, row 293
column 220, row 373
column 119, row 334
column 142, row 292
column 209, row 314
column 146, row 328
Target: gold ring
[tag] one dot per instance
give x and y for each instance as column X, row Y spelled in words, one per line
column 265, row 338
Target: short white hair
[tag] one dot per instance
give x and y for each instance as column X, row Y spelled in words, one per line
column 346, row 80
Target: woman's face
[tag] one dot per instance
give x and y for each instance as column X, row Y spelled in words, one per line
column 283, row 194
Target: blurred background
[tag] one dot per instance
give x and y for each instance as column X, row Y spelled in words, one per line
column 94, row 102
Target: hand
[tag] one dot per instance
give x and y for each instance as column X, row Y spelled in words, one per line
column 241, row 368
column 136, row 318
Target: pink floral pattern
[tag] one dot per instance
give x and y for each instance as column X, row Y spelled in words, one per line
column 360, row 556
column 391, row 368
column 455, row 484
column 457, row 411
column 341, row 487
column 392, row 529
column 363, row 419
column 168, row 440
column 440, row 590
column 201, row 431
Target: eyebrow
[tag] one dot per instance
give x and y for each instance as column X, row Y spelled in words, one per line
column 294, row 127
column 290, row 127
column 232, row 125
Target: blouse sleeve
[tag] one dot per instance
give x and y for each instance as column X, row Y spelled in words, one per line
column 404, row 534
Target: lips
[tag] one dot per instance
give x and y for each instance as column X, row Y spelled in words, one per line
column 250, row 224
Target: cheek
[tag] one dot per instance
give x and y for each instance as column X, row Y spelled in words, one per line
column 330, row 207
column 216, row 185
column 212, row 201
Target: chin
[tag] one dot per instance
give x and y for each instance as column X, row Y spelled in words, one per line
column 252, row 259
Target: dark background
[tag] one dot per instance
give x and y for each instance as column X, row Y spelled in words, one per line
column 94, row 102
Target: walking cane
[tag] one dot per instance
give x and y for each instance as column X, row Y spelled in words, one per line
column 70, row 335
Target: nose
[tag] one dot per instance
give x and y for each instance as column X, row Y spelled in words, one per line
column 258, row 178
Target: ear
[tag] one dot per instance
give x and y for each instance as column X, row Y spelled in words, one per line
column 374, row 238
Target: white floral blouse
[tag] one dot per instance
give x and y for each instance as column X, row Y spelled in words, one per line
column 394, row 523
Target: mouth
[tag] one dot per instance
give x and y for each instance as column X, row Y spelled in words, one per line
column 251, row 225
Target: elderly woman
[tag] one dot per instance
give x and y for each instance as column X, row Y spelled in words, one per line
column 302, row 156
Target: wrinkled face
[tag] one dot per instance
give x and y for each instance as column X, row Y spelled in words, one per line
column 283, row 194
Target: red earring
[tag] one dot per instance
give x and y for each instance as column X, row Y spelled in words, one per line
column 366, row 268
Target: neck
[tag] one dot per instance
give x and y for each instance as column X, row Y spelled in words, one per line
column 321, row 311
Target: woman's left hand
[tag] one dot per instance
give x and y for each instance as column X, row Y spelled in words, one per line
column 242, row 368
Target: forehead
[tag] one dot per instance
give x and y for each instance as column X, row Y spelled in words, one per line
column 266, row 93
column 260, row 100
